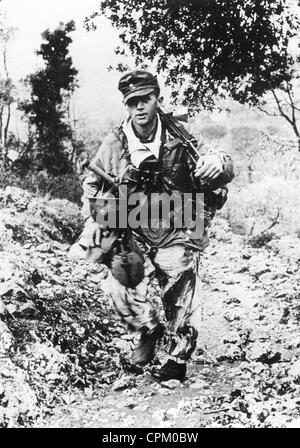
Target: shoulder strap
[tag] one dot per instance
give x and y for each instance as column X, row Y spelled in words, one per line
column 119, row 133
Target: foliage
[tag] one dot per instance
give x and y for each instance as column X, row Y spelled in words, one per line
column 258, row 205
column 260, row 240
column 64, row 186
column 37, row 219
column 284, row 102
column 244, row 137
column 51, row 88
column 208, row 46
column 213, row 131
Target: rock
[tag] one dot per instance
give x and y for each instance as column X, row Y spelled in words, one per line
column 173, row 412
column 127, row 337
column 53, row 377
column 6, row 287
column 129, row 421
column 294, row 423
column 6, row 339
column 160, row 415
column 145, row 380
column 232, row 300
column 200, row 384
column 108, row 377
column 286, row 355
column 231, row 317
column 28, row 310
column 68, row 398
column 262, row 352
column 2, row 308
column 131, row 403
column 6, row 373
column 44, row 247
column 57, row 279
column 231, row 338
column 11, row 308
column 122, row 345
column 123, row 383
column 171, row 384
column 295, row 371
column 142, row 407
column 206, row 371
column 231, row 353
column 6, row 271
column 64, row 269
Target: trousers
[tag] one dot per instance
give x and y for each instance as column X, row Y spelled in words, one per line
column 177, row 270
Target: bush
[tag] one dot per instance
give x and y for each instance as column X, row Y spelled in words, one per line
column 213, row 132
column 25, row 218
column 260, row 240
column 257, row 205
column 67, row 186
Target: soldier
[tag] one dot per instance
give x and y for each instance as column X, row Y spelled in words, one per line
column 155, row 160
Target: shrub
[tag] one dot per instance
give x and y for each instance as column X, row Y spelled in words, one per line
column 260, row 240
column 257, row 206
column 213, row 132
column 67, row 186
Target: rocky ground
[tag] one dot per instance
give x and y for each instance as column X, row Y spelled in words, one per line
column 65, row 356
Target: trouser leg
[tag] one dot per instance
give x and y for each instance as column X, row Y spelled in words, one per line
column 177, row 270
column 133, row 304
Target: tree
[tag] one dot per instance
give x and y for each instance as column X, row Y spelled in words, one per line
column 207, row 47
column 51, row 88
column 285, row 102
column 7, row 89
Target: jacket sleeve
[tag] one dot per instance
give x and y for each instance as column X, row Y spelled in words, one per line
column 228, row 172
column 91, row 186
column 109, row 159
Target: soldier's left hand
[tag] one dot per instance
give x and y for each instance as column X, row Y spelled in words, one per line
column 209, row 167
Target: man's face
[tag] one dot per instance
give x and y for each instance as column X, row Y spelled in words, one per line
column 142, row 109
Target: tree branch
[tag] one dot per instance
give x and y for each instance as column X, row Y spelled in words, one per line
column 280, row 108
column 268, row 113
column 288, row 89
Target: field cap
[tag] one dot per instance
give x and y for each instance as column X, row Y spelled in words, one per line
column 137, row 83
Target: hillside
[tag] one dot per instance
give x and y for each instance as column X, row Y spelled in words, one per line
column 65, row 356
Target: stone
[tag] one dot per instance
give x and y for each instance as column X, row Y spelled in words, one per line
column 295, row 371
column 294, row 423
column 171, row 384
column 173, row 412
column 6, row 339
column 123, row 383
column 160, row 415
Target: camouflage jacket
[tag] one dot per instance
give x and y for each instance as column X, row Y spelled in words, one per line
column 114, row 158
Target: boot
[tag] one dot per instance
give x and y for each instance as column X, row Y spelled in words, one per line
column 145, row 350
column 171, row 370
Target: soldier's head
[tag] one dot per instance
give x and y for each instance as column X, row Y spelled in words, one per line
column 140, row 91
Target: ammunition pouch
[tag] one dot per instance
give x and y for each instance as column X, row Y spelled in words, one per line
column 119, row 252
column 217, row 198
column 214, row 200
column 127, row 261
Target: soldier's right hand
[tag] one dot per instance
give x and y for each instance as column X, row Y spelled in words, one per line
column 91, row 235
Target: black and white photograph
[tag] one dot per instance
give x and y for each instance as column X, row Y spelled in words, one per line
column 149, row 217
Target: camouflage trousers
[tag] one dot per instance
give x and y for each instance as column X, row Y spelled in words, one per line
column 176, row 268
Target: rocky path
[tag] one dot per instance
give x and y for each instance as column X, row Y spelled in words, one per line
column 247, row 370
column 64, row 354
